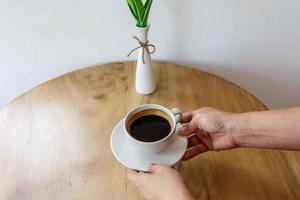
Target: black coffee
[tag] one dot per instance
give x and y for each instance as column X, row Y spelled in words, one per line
column 150, row 128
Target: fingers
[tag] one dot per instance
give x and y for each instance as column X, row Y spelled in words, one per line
column 193, row 141
column 196, row 150
column 157, row 167
column 153, row 168
column 134, row 176
column 187, row 117
column 190, row 128
column 197, row 138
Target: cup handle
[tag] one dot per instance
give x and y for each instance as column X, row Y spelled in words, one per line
column 177, row 113
column 178, row 116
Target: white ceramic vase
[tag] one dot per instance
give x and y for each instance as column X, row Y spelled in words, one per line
column 145, row 81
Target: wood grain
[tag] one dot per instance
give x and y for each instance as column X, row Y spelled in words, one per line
column 54, row 139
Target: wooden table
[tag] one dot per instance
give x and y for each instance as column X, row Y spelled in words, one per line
column 54, row 139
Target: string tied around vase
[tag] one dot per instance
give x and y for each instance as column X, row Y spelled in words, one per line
column 145, row 47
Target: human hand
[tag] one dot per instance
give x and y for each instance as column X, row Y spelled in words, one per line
column 161, row 183
column 206, row 130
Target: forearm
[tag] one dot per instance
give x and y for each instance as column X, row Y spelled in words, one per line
column 278, row 129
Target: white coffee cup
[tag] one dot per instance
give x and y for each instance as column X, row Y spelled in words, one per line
column 174, row 116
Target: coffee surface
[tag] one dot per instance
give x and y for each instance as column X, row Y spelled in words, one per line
column 150, row 128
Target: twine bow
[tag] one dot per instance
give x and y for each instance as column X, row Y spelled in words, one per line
column 145, row 47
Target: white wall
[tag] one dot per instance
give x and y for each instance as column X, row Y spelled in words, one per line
column 255, row 44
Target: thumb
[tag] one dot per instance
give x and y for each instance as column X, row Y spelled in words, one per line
column 156, row 168
column 134, row 176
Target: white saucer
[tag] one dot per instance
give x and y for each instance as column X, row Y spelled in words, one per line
column 134, row 159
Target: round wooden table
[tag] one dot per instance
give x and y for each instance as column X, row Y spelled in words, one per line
column 54, row 139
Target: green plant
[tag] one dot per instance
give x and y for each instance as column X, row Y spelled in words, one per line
column 140, row 11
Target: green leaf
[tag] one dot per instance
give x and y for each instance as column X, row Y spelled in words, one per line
column 146, row 14
column 147, row 4
column 132, row 9
column 140, row 11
